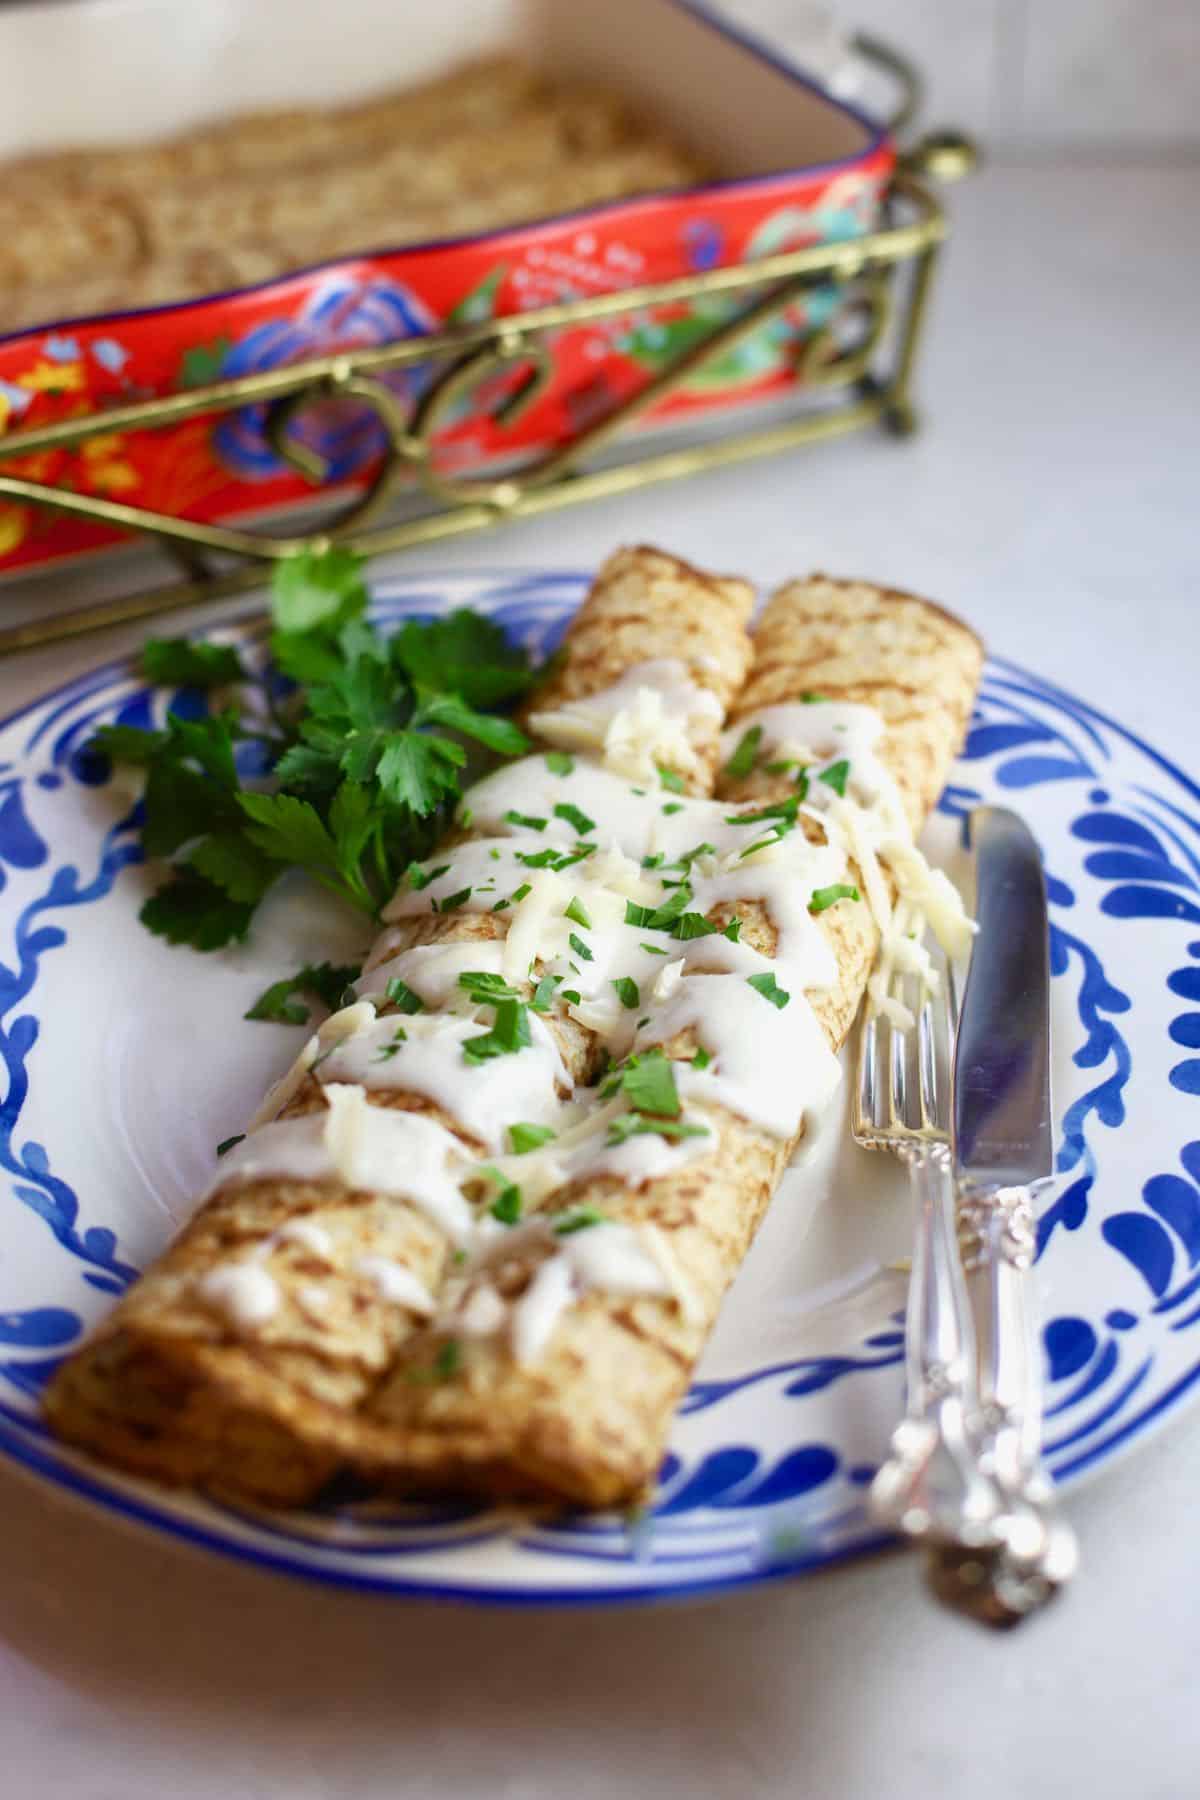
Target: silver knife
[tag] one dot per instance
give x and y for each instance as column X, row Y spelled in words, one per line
column 1003, row 1154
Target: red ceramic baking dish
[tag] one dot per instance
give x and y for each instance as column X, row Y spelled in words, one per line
column 795, row 167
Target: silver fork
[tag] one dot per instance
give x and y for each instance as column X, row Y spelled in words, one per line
column 931, row 1488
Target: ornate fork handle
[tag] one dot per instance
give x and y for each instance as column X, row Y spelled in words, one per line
column 932, row 1486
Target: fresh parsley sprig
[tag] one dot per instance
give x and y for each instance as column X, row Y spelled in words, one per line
column 359, row 742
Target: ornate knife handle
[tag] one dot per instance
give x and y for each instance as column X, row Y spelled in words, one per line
column 998, row 1242
column 931, row 1487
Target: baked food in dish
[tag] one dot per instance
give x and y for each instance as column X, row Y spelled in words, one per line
column 491, row 144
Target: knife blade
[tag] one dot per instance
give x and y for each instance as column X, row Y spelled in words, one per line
column 1002, row 1113
column 1003, row 1152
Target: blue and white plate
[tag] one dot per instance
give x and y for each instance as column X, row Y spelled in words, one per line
column 126, row 1062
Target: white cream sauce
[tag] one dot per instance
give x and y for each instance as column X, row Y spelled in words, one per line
column 423, row 1054
column 634, row 985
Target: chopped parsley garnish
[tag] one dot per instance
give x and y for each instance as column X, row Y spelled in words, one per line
column 693, row 855
column 419, row 878
column 448, row 1360
column 780, row 809
column 574, row 817
column 485, row 988
column 701, row 1059
column 825, row 897
column 524, row 1138
column 559, row 763
column 656, row 949
column 326, row 982
column 392, row 1047
column 656, row 861
column 398, row 994
column 578, row 911
column 670, row 780
column 228, row 1143
column 648, row 1082
column 733, row 931
column 578, row 1221
column 835, row 776
column 692, row 925
column 507, row 1205
column 741, row 763
column 580, row 948
column 452, row 902
column 543, row 994
column 659, row 918
column 781, row 767
column 502, row 905
column 769, row 988
column 538, row 859
column 572, row 996
column 636, row 1124
column 519, row 893
column 509, row 1033
column 811, row 699
column 673, row 806
column 525, row 819
column 627, row 992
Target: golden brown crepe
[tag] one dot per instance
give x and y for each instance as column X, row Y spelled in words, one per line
column 587, row 1421
column 171, row 1385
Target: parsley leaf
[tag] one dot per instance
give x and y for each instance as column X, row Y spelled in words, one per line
column 187, row 909
column 670, row 780
column 507, row 1205
column 578, row 911
column 524, row 1138
column 627, row 992
column 543, row 994
column 180, row 662
column 575, row 817
column 835, row 776
column 741, row 763
column 636, row 1124
column 769, row 988
column 325, row 982
column 509, row 1033
column 485, row 988
column 559, row 763
column 579, row 1220
column 648, row 1081
column 531, row 824
column 398, row 994
column 580, row 948
column 825, row 897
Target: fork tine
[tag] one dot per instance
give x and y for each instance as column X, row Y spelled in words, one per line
column 927, row 1056
column 867, row 1091
column 897, row 1070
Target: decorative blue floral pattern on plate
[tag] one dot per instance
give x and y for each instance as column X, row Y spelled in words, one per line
column 771, row 1453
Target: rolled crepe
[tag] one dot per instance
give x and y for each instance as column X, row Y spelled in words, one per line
column 239, row 1359
column 607, row 1296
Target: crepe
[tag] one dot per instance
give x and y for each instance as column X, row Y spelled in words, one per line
column 585, row 1420
column 242, row 1358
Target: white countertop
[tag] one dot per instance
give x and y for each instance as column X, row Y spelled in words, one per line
column 1051, row 500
